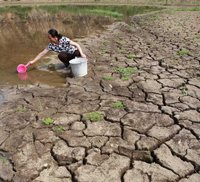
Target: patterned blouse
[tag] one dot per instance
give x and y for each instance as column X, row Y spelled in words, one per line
column 64, row 46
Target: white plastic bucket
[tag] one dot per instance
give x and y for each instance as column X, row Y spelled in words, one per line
column 79, row 66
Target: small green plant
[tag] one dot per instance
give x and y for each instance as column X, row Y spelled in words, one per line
column 40, row 104
column 94, row 116
column 22, row 109
column 48, row 121
column 184, row 92
column 106, row 77
column 133, row 87
column 102, row 52
column 122, row 51
column 195, row 43
column 59, row 128
column 130, row 56
column 4, row 160
column 195, row 37
column 182, row 52
column 126, row 71
column 153, row 163
column 105, row 41
column 118, row 105
column 119, row 42
column 195, row 67
column 155, row 17
column 53, row 176
column 125, row 78
column 132, row 27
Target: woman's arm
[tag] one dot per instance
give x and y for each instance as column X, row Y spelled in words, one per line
column 78, row 47
column 39, row 56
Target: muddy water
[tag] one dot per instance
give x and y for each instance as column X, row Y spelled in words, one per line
column 24, row 34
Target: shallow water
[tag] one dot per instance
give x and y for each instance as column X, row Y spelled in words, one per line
column 23, row 34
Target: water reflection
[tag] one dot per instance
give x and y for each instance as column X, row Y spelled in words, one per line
column 23, row 76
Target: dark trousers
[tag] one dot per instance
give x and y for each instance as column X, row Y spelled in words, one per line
column 65, row 57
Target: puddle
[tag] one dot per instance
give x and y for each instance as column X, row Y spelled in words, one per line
column 27, row 36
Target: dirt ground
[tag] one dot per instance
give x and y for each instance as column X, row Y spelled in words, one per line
column 134, row 118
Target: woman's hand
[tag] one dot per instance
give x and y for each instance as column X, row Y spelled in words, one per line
column 83, row 56
column 79, row 48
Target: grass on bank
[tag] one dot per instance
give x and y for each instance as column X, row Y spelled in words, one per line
column 84, row 9
column 21, row 11
column 185, row 9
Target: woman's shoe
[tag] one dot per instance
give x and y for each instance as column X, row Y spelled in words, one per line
column 67, row 68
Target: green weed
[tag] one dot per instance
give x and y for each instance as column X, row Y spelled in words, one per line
column 125, row 78
column 102, row 52
column 181, row 24
column 22, row 109
column 40, row 104
column 118, row 105
column 120, row 42
column 105, row 41
column 195, row 37
column 126, row 71
column 155, row 17
column 182, row 52
column 195, row 43
column 48, row 121
column 106, row 77
column 94, row 116
column 53, row 176
column 59, row 128
column 130, row 56
column 132, row 27
column 133, row 87
column 4, row 160
column 184, row 92
column 122, row 51
column 153, row 163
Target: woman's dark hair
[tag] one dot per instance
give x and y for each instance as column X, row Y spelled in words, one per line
column 54, row 33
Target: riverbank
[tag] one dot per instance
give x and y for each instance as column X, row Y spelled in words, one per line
column 135, row 115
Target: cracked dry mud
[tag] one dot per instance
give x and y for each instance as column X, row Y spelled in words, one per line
column 155, row 138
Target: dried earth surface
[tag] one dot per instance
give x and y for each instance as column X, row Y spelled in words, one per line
column 151, row 135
